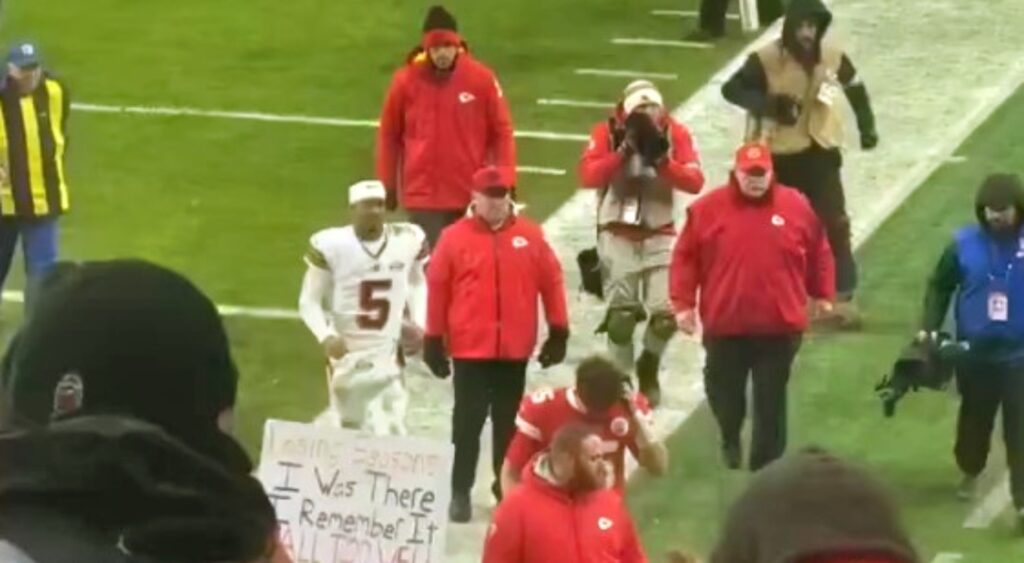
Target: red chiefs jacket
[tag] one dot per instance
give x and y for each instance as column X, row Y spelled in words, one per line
column 483, row 287
column 539, row 522
column 754, row 262
column 437, row 130
column 682, row 169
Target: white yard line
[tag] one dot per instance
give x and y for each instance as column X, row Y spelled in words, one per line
column 948, row 557
column 620, row 73
column 574, row 103
column 991, row 506
column 285, row 118
column 651, row 42
column 541, row 170
column 686, row 14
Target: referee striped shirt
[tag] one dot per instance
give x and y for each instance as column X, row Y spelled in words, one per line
column 32, row 143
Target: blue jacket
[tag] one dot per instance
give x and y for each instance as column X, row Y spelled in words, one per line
column 990, row 267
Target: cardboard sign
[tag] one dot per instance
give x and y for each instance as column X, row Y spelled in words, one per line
column 344, row 496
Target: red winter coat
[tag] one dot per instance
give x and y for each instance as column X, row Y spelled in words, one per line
column 483, row 287
column 754, row 262
column 601, row 161
column 437, row 130
column 539, row 522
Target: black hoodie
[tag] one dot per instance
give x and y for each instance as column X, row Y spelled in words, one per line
column 797, row 12
column 116, row 490
column 748, row 87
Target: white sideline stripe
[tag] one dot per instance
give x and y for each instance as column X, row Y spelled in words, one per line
column 948, row 557
column 660, row 42
column 618, row 73
column 956, row 159
column 686, row 14
column 224, row 310
column 572, row 103
column 541, row 170
column 991, row 506
column 285, row 118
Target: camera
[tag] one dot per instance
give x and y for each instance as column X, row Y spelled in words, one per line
column 922, row 365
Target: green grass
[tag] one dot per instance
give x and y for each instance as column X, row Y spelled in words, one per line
column 832, row 403
column 232, row 203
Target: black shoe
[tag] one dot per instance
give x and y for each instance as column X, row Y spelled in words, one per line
column 647, row 375
column 732, row 455
column 460, row 510
column 704, row 36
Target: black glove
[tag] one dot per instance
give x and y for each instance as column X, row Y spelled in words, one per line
column 436, row 357
column 868, row 140
column 553, row 350
column 391, row 200
column 784, row 109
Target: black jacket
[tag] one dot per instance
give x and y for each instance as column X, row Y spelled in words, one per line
column 115, row 490
column 748, row 87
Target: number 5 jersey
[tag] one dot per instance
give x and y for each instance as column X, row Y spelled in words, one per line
column 371, row 283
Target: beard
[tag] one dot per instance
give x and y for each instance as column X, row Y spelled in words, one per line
column 585, row 480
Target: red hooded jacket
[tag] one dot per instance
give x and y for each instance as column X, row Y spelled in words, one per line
column 600, row 160
column 540, row 522
column 483, row 287
column 437, row 130
column 754, row 262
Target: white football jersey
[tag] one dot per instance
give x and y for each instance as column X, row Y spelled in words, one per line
column 371, row 290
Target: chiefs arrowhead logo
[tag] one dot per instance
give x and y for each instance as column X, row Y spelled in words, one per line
column 604, row 524
column 466, row 97
column 520, row 242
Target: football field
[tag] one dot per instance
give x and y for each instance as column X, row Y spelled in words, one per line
column 230, row 197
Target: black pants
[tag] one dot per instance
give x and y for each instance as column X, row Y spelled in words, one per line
column 712, row 14
column 815, row 172
column 730, row 362
column 983, row 391
column 484, row 387
column 433, row 221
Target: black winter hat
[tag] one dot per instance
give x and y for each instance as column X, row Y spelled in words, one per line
column 439, row 18
column 124, row 337
column 999, row 191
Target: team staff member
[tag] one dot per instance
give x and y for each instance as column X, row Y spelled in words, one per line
column 33, row 187
column 601, row 399
column 563, row 511
column 755, row 251
column 983, row 266
column 636, row 160
column 484, row 281
column 793, row 84
column 444, row 118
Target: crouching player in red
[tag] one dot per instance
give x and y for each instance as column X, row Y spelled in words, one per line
column 602, row 399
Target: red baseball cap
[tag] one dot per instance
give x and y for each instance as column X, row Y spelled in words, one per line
column 753, row 155
column 494, row 181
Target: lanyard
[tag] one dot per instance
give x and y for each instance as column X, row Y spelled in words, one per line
column 994, row 257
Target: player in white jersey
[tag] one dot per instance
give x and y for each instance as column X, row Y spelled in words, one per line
column 364, row 286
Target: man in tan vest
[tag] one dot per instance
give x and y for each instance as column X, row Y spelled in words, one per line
column 636, row 160
column 791, row 88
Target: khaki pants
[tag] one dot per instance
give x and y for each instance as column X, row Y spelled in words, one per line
column 635, row 276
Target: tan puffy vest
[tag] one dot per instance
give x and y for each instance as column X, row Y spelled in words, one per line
column 650, row 209
column 819, row 122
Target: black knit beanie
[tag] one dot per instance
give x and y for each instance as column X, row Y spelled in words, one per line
column 999, row 191
column 127, row 338
column 439, row 18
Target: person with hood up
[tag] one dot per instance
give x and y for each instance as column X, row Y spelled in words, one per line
column 791, row 89
column 812, row 507
column 117, row 402
column 563, row 510
column 485, row 280
column 984, row 267
column 444, row 118
column 756, row 254
column 637, row 161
